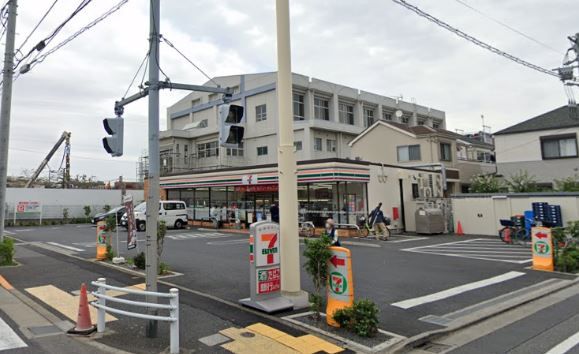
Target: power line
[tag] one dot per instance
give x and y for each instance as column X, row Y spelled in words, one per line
column 136, row 74
column 164, row 39
column 473, row 39
column 508, row 26
column 37, row 25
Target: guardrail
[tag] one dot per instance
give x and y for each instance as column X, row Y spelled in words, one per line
column 172, row 306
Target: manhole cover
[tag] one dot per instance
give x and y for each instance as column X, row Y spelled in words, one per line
column 247, row 334
column 44, row 330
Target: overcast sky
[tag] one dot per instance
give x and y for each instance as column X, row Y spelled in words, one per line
column 376, row 46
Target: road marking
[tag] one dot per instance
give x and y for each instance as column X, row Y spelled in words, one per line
column 228, row 242
column 565, row 345
column 23, row 230
column 86, row 244
column 9, row 232
column 62, row 301
column 406, row 304
column 5, row 284
column 8, row 338
column 408, row 239
column 191, row 236
column 65, row 246
column 361, row 244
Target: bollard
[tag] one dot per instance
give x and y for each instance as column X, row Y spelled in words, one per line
column 101, row 313
column 174, row 313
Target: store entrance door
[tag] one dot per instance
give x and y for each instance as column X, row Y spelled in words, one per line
column 262, row 203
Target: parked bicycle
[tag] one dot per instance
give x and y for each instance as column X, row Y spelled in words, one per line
column 307, row 229
column 514, row 234
column 367, row 230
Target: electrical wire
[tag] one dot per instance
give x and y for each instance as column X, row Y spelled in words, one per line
column 507, row 26
column 473, row 40
column 170, row 44
column 36, row 27
column 136, row 74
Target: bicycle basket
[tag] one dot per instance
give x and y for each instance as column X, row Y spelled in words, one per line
column 507, row 223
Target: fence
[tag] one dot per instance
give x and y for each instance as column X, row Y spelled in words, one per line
column 49, row 213
column 173, row 307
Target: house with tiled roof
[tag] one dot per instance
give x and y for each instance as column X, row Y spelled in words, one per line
column 545, row 146
column 459, row 157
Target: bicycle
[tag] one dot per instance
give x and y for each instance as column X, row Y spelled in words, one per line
column 307, row 229
column 366, row 230
column 512, row 234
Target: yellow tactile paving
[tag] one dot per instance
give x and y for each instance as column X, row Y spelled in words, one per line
column 266, row 335
column 257, row 344
column 62, row 301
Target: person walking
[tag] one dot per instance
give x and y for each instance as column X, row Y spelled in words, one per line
column 224, row 217
column 332, row 232
column 274, row 211
column 214, row 217
column 378, row 222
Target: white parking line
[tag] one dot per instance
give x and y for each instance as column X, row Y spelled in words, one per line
column 65, row 246
column 406, row 304
column 408, row 239
column 23, row 230
column 8, row 338
column 9, row 232
column 565, row 345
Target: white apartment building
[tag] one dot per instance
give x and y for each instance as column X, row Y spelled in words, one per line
column 326, row 116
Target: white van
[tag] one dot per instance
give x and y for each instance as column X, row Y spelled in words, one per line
column 172, row 212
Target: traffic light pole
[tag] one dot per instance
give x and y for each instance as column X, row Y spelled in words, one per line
column 287, row 167
column 7, row 74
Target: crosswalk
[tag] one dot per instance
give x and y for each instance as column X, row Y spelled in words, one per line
column 480, row 248
column 191, row 235
column 8, row 338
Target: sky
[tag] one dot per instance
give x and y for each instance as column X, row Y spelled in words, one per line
column 376, row 46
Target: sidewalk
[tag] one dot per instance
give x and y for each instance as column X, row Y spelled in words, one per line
column 207, row 325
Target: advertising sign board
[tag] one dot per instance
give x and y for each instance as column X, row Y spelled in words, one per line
column 131, row 225
column 542, row 247
column 340, row 287
column 101, row 241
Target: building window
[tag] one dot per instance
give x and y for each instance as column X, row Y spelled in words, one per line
column 299, row 108
column 260, row 113
column 207, row 149
column 321, row 108
column 261, row 150
column 235, row 151
column 445, row 150
column 298, row 146
column 368, row 116
column 195, row 102
column 331, row 145
column 409, row 153
column 436, row 125
column 346, row 112
column 386, row 115
column 318, row 144
column 405, row 119
column 421, row 122
column 557, row 147
column 186, row 154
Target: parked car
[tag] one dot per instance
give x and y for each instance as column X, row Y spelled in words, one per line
column 173, row 212
column 119, row 211
column 140, row 207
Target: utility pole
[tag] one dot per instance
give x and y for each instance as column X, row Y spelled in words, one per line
column 6, row 102
column 287, row 167
column 151, row 268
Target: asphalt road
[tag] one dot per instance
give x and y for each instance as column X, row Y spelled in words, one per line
column 392, row 272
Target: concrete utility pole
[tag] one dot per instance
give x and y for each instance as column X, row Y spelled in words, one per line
column 7, row 74
column 287, row 167
column 151, row 267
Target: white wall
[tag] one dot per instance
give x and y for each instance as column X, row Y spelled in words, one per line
column 524, row 146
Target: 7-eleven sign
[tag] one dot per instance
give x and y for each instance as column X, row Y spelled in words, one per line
column 267, row 249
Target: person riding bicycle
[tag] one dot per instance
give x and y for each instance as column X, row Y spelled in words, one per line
column 379, row 222
column 332, row 232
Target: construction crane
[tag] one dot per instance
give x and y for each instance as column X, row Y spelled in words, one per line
column 64, row 138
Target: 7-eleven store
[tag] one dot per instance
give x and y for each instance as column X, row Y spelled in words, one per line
column 326, row 188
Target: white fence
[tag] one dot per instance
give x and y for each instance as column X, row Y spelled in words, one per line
column 173, row 307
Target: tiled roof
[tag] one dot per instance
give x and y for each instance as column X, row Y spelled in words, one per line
column 561, row 117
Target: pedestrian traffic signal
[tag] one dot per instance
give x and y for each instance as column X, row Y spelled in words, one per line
column 231, row 125
column 114, row 144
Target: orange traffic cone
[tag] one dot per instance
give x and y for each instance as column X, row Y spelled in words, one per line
column 84, row 324
column 459, row 231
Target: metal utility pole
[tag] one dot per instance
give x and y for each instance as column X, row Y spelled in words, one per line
column 6, row 102
column 151, row 267
column 287, row 167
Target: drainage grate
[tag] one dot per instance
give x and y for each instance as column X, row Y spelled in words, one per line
column 435, row 347
column 247, row 334
column 44, row 330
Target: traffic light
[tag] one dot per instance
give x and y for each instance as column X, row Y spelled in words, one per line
column 114, row 144
column 231, row 127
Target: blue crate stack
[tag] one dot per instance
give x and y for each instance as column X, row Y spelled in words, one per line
column 546, row 213
column 554, row 212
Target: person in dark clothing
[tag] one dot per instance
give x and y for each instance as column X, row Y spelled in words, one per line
column 274, row 211
column 332, row 232
column 378, row 221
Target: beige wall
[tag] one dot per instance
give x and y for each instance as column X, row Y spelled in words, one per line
column 524, row 146
column 481, row 215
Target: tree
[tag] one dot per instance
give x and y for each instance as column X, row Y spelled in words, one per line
column 317, row 255
column 522, row 182
column 87, row 212
column 484, row 184
column 569, row 184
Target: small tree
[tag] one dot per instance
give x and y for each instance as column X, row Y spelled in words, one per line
column 484, row 184
column 317, row 255
column 65, row 215
column 521, row 182
column 110, row 227
column 106, row 208
column 87, row 212
column 569, row 184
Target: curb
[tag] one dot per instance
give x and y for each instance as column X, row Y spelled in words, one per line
column 425, row 337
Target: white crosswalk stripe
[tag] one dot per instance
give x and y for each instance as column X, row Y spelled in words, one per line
column 480, row 248
column 8, row 338
column 190, row 236
column 70, row 248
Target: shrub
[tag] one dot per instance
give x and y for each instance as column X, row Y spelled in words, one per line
column 65, row 215
column 522, row 182
column 484, row 184
column 163, row 268
column 7, row 252
column 569, row 184
column 361, row 318
column 139, row 260
column 110, row 253
column 106, row 208
column 87, row 212
column 317, row 256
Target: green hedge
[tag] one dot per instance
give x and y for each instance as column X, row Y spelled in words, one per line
column 7, row 252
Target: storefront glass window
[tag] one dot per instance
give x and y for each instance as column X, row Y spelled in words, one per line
column 201, row 205
column 173, row 194
column 187, row 196
column 237, row 205
column 355, row 199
